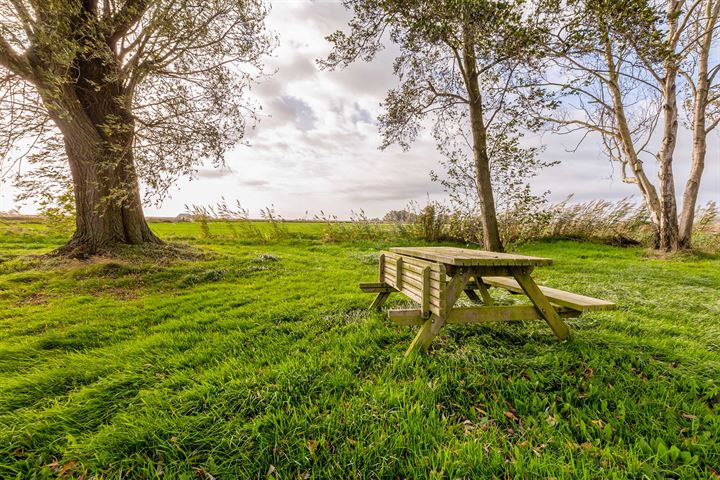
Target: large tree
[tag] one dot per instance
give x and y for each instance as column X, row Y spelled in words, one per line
column 626, row 67
column 128, row 90
column 461, row 62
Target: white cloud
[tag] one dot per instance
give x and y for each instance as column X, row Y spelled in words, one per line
column 316, row 147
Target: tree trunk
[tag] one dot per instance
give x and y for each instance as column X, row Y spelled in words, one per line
column 627, row 144
column 91, row 106
column 669, row 234
column 699, row 132
column 107, row 195
column 687, row 218
column 488, row 215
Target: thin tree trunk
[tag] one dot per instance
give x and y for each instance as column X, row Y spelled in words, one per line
column 639, row 177
column 692, row 186
column 700, row 100
column 669, row 234
column 488, row 215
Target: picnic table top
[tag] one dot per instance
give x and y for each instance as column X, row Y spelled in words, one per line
column 469, row 257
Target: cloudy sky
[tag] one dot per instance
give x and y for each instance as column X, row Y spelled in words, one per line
column 316, row 145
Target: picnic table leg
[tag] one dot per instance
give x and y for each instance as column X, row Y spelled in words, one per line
column 477, row 284
column 486, row 298
column 472, row 295
column 543, row 305
column 432, row 326
column 379, row 300
column 381, row 297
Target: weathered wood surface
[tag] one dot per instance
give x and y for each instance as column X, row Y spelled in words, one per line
column 376, row 287
column 468, row 257
column 432, row 326
column 575, row 301
column 421, row 281
column 435, row 277
column 476, row 315
column 543, row 305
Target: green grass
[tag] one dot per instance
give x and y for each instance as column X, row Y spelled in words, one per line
column 261, row 359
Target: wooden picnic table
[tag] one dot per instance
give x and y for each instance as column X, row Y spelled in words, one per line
column 435, row 277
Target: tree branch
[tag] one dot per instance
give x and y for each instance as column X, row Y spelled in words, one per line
column 17, row 64
column 129, row 14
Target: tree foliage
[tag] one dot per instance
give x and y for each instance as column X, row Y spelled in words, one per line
column 467, row 64
column 625, row 70
column 174, row 73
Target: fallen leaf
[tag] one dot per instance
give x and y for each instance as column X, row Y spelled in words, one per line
column 270, row 471
column 312, row 446
column 66, row 468
column 598, row 423
column 203, row 474
column 468, row 426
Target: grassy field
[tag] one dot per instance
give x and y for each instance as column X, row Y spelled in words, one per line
column 260, row 360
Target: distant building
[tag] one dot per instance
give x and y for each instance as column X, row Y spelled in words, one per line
column 184, row 217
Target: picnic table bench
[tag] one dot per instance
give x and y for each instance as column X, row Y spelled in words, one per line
column 435, row 277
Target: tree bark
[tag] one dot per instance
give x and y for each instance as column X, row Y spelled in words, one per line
column 669, row 234
column 108, row 207
column 488, row 214
column 627, row 144
column 692, row 186
column 699, row 132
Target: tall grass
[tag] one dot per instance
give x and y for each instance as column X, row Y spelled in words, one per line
column 706, row 234
column 360, row 227
column 236, row 220
column 620, row 223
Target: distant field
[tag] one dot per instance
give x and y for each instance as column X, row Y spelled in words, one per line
column 261, row 360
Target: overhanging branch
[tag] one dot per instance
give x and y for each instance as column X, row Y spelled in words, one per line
column 14, row 62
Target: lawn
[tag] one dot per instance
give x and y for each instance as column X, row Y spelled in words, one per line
column 260, row 359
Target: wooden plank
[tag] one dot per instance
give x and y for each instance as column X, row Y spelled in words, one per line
column 414, row 269
column 416, row 293
column 469, row 257
column 376, row 287
column 410, row 266
column 543, row 305
column 576, row 301
column 399, row 270
column 426, row 293
column 476, row 315
column 410, row 260
column 382, row 267
column 412, row 316
column 489, row 271
column 503, row 313
column 403, row 285
column 412, row 277
column 432, row 326
column 412, row 294
column 415, row 278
